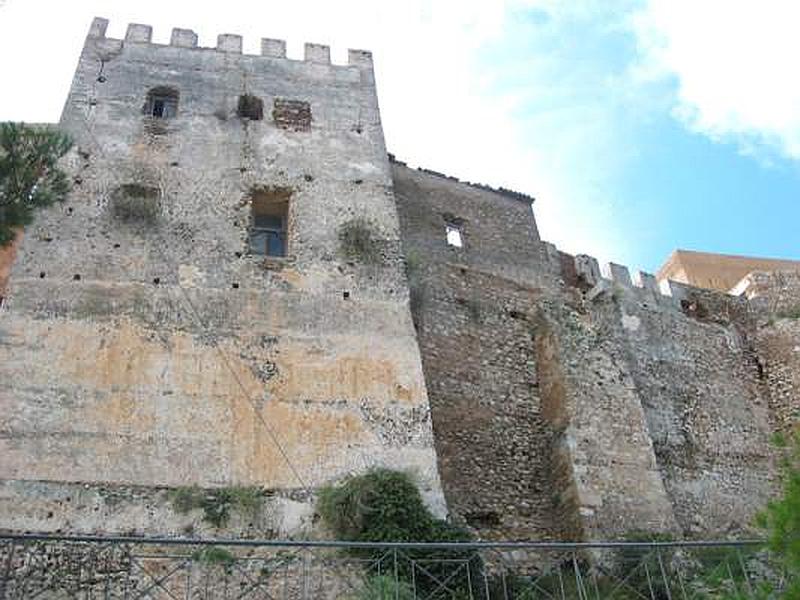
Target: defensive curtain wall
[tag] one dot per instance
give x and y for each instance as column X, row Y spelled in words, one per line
column 578, row 402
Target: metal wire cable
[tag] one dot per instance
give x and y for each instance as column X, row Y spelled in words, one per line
column 222, row 354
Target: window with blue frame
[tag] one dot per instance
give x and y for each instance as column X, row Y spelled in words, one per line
column 269, row 222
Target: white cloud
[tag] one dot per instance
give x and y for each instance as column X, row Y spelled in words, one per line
column 735, row 65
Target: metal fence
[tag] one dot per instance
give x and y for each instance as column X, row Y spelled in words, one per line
column 84, row 567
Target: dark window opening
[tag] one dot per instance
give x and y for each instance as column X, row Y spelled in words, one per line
column 250, row 107
column 162, row 103
column 269, row 222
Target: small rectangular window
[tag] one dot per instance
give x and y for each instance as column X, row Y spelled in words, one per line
column 455, row 236
column 162, row 103
column 164, row 108
column 269, row 225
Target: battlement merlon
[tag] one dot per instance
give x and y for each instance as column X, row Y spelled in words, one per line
column 588, row 270
column 138, row 33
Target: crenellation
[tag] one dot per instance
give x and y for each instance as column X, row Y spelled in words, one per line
column 273, row 48
column 98, row 28
column 551, row 253
column 646, row 281
column 232, row 43
column 676, row 290
column 142, row 34
column 359, row 58
column 317, row 53
column 183, row 38
column 597, row 281
column 588, row 269
column 229, row 42
column 619, row 274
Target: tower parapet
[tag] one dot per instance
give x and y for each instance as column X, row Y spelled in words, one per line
column 138, row 33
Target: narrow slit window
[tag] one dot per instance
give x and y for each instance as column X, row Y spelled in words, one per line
column 455, row 235
column 162, row 103
column 269, row 224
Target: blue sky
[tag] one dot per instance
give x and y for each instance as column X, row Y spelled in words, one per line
column 639, row 125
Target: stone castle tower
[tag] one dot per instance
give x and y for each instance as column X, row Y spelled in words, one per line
column 222, row 299
column 244, row 289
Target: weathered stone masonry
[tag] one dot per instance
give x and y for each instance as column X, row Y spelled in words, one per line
column 570, row 404
column 146, row 344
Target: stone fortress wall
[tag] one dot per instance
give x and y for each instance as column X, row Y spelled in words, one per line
column 554, row 399
column 580, row 402
column 151, row 350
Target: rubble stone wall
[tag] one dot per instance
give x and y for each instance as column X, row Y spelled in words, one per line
column 143, row 344
column 475, row 311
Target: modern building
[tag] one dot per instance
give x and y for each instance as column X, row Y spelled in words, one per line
column 717, row 271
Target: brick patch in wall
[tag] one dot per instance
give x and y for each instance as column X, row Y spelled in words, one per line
column 294, row 115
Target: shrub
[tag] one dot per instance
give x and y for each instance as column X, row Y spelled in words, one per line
column 385, row 506
column 380, row 506
column 781, row 518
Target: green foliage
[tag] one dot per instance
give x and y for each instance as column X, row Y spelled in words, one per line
column 413, row 263
column 358, row 242
column 385, row 506
column 216, row 504
column 29, row 174
column 379, row 506
column 214, row 555
column 781, row 518
column 383, row 587
column 718, row 573
column 790, row 313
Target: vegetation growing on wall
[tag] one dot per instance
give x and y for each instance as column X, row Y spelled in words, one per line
column 384, row 587
column 781, row 518
column 791, row 313
column 136, row 204
column 217, row 504
column 29, row 174
column 358, row 241
column 385, row 506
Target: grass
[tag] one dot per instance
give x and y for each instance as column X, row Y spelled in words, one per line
column 790, row 313
column 217, row 504
column 214, row 555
